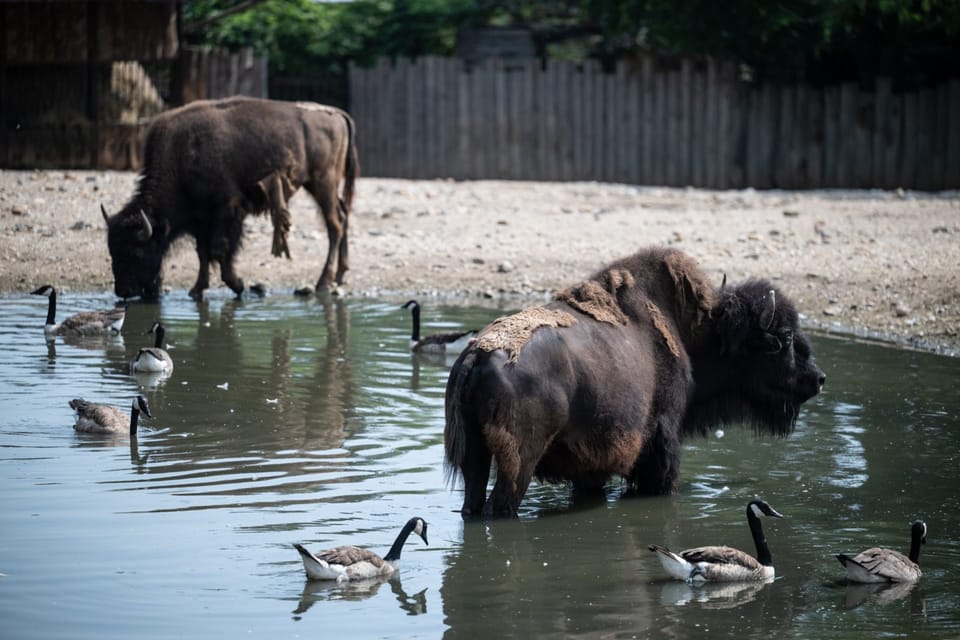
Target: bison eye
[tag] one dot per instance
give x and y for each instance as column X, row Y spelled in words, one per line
column 772, row 343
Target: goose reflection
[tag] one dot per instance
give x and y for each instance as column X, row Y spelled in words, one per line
column 315, row 591
column 711, row 595
column 880, row 594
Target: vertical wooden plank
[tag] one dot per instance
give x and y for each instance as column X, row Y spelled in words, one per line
column 647, row 141
column 831, row 122
column 881, row 115
column 672, row 114
column 952, row 179
column 698, row 129
column 463, row 163
column 926, row 119
column 908, row 156
column 893, row 143
column 938, row 151
column 845, row 139
column 685, row 117
column 633, row 114
column 593, row 119
column 711, row 104
column 782, row 168
column 864, row 138
column 579, row 100
column 736, row 152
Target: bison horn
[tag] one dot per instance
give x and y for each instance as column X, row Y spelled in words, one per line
column 769, row 306
column 147, row 230
column 723, row 284
column 106, row 217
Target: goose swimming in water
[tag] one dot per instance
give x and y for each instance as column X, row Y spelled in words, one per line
column 355, row 563
column 153, row 359
column 724, row 564
column 452, row 343
column 886, row 565
column 105, row 418
column 86, row 323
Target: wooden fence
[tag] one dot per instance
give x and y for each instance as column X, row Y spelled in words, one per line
column 648, row 122
column 217, row 73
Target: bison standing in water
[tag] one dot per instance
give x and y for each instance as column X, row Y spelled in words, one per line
column 609, row 377
column 209, row 164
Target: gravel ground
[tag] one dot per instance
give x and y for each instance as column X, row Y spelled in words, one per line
column 877, row 264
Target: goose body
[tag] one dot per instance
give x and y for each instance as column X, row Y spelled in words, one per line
column 452, row 343
column 724, row 564
column 86, row 323
column 356, row 563
column 104, row 418
column 886, row 565
column 153, row 359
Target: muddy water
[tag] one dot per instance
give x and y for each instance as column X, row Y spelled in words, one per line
column 309, row 421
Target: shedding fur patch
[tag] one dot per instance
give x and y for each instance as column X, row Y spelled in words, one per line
column 660, row 323
column 512, row 333
column 598, row 299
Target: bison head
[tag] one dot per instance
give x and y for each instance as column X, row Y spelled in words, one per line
column 761, row 368
column 136, row 251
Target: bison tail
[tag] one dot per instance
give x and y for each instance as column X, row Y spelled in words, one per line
column 455, row 431
column 352, row 168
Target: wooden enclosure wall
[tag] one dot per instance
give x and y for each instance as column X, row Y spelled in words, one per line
column 690, row 123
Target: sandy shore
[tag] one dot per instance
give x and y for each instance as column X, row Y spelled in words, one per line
column 884, row 265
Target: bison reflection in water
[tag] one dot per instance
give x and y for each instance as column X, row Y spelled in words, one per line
column 209, row 164
column 608, row 378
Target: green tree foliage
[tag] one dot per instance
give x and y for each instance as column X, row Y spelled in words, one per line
column 812, row 39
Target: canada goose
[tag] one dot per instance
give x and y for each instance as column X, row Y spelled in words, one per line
column 87, row 323
column 105, row 418
column 452, row 343
column 153, row 359
column 887, row 565
column 724, row 564
column 354, row 563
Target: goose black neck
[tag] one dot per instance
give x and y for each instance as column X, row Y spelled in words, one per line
column 764, row 556
column 916, row 539
column 52, row 307
column 394, row 554
column 415, row 311
column 158, row 343
column 134, row 420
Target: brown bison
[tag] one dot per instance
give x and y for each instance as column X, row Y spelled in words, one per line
column 609, row 377
column 209, row 164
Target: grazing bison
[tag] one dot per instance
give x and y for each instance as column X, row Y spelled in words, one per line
column 609, row 377
column 209, row 164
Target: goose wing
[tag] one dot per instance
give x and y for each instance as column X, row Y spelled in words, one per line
column 348, row 555
column 720, row 555
column 101, row 418
column 882, row 564
column 90, row 323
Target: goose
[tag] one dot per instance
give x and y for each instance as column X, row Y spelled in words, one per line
column 105, row 418
column 452, row 343
column 86, row 323
column 886, row 565
column 153, row 359
column 355, row 563
column 724, row 564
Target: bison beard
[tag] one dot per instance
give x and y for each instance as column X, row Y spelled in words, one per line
column 210, row 164
column 652, row 353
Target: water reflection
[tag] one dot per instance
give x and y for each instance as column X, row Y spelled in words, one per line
column 857, row 595
column 711, row 595
column 315, row 591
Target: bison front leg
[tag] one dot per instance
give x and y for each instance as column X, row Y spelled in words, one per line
column 203, row 273
column 335, row 220
column 657, row 467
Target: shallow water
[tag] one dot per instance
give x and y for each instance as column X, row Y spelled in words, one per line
column 292, row 420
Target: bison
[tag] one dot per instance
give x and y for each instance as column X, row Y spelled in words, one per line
column 608, row 378
column 209, row 164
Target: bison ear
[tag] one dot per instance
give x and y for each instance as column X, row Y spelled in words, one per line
column 769, row 309
column 106, row 217
column 146, row 229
